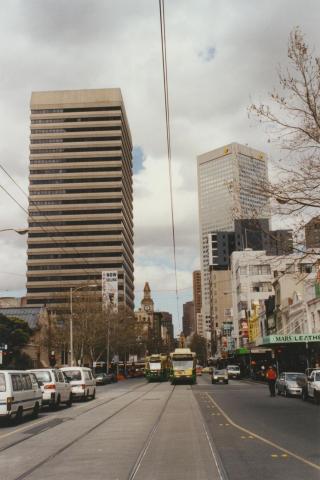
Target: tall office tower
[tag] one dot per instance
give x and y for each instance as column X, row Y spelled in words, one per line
column 188, row 320
column 312, row 233
column 196, row 281
column 228, row 189
column 80, row 195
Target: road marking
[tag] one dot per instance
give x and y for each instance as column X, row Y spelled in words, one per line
column 262, row 439
column 274, row 455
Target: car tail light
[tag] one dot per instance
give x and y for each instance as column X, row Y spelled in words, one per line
column 9, row 403
column 49, row 386
column 83, row 386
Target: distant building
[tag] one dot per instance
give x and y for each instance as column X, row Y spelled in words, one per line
column 188, row 320
column 227, row 190
column 196, row 284
column 145, row 314
column 312, row 233
column 38, row 320
column 12, row 302
column 167, row 330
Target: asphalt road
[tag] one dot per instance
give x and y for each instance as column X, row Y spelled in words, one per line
column 136, row 430
column 258, row 436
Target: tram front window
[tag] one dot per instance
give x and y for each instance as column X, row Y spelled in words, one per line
column 155, row 366
column 182, row 364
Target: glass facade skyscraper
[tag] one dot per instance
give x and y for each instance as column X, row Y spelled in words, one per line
column 230, row 187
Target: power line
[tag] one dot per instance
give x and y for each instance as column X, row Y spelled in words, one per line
column 168, row 137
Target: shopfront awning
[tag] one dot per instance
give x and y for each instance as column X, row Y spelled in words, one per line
column 293, row 338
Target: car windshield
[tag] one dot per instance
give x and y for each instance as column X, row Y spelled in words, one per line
column 100, row 375
column 182, row 364
column 219, row 372
column 233, row 368
column 2, row 383
column 292, row 376
column 43, row 376
column 317, row 377
column 73, row 375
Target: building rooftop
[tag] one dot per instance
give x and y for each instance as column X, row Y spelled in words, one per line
column 28, row 314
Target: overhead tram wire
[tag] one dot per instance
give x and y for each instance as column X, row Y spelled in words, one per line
column 46, row 217
column 168, row 137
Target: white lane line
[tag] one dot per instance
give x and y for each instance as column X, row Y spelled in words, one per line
column 221, row 476
column 262, row 439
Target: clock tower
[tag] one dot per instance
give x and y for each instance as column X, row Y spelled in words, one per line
column 147, row 304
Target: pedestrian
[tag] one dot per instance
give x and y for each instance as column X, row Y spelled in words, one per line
column 272, row 377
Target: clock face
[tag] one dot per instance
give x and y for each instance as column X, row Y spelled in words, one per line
column 147, row 308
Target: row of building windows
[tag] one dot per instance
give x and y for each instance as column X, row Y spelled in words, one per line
column 53, row 256
column 75, row 129
column 74, row 120
column 44, row 161
column 58, row 289
column 70, row 222
column 71, row 202
column 75, row 139
column 33, row 246
column 45, row 213
column 75, row 170
column 68, row 150
column 57, row 181
column 75, row 190
column 86, row 233
column 74, row 109
column 72, row 266
column 56, row 278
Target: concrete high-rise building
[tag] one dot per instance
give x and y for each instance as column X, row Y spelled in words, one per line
column 80, row 195
column 188, row 319
column 196, row 283
column 228, row 189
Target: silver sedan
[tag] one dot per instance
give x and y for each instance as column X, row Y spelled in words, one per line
column 287, row 385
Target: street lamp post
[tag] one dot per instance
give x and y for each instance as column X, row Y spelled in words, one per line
column 72, row 290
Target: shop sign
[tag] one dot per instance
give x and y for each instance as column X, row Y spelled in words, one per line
column 294, row 338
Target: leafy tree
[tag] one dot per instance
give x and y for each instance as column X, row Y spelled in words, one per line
column 15, row 333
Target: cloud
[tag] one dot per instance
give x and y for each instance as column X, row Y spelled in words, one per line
column 221, row 56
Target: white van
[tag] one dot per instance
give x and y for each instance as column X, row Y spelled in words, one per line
column 19, row 394
column 54, row 386
column 82, row 381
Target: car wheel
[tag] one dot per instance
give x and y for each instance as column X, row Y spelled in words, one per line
column 213, row 382
column 18, row 416
column 94, row 394
column 304, row 395
column 317, row 398
column 226, row 381
column 57, row 403
column 278, row 391
column 35, row 411
column 69, row 402
column 286, row 393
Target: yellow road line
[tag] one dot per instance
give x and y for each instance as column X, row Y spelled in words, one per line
column 262, row 439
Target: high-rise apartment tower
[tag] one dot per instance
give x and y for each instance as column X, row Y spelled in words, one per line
column 80, row 195
column 230, row 186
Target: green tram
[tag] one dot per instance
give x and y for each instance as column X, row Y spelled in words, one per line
column 183, row 366
column 157, row 368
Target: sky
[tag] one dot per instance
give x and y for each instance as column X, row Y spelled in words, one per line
column 222, row 56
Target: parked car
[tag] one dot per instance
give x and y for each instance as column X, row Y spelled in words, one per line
column 287, row 384
column 20, row 394
column 233, row 371
column 105, row 378
column 310, row 385
column 82, row 381
column 220, row 376
column 54, row 386
column 207, row 370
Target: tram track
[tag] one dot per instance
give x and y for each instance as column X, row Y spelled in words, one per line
column 147, row 443
column 50, row 420
column 53, row 455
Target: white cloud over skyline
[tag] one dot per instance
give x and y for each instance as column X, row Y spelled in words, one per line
column 221, row 55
